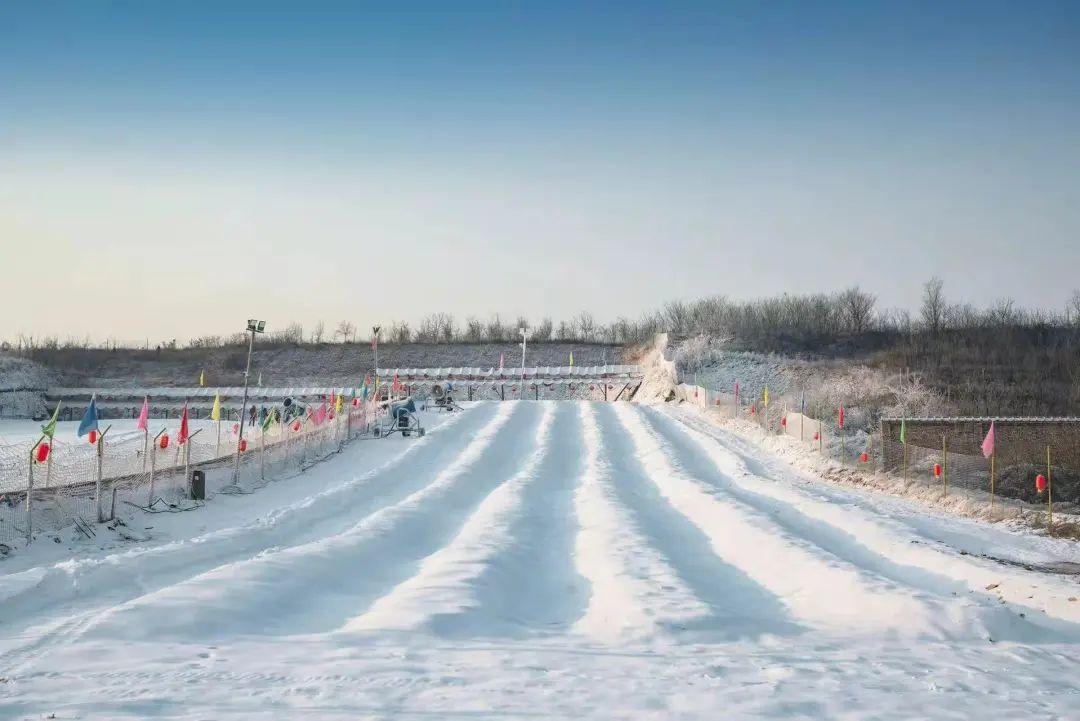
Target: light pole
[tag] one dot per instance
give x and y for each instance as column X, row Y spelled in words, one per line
column 524, row 339
column 253, row 326
column 375, row 347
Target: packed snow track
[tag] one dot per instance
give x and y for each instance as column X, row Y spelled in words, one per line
column 545, row 560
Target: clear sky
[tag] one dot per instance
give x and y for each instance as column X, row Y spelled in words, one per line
column 170, row 169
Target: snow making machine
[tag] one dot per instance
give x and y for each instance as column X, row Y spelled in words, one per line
column 442, row 398
column 403, row 419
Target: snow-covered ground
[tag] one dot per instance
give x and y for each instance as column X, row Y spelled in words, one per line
column 545, row 560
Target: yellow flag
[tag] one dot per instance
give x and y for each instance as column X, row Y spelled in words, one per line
column 766, row 396
column 337, row 408
column 202, row 378
column 571, row 359
column 215, row 412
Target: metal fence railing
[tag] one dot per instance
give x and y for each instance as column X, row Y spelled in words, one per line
column 82, row 484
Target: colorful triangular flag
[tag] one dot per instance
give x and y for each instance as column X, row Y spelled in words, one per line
column 144, row 415
column 182, row 436
column 215, row 411
column 89, row 420
column 49, row 429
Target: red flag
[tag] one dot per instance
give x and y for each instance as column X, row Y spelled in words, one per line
column 988, row 442
column 840, row 417
column 182, row 437
column 322, row 415
column 397, row 383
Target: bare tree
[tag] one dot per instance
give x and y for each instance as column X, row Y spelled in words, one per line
column 933, row 305
column 495, row 330
column 1072, row 308
column 400, row 333
column 542, row 331
column 318, row 332
column 345, row 331
column 474, row 329
column 586, row 326
column 858, row 307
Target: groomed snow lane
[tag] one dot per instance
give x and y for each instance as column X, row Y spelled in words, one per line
column 543, row 559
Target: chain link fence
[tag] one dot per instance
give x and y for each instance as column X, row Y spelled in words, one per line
column 937, row 467
column 80, row 484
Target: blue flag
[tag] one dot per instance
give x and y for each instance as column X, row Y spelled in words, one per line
column 89, row 420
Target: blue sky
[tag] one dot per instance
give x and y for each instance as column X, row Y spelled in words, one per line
column 315, row 157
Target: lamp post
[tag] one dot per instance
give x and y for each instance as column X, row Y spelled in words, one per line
column 253, row 326
column 375, row 348
column 524, row 340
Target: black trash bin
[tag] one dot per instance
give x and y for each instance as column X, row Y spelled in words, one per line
column 198, row 485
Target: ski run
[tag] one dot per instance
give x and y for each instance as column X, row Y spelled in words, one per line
column 551, row 560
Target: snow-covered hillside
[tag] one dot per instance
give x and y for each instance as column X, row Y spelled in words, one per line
column 546, row 560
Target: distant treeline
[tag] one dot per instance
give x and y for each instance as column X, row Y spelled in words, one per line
column 984, row 360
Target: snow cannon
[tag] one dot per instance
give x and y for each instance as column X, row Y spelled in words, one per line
column 443, row 396
column 403, row 420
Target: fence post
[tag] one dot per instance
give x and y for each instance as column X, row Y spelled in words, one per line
column 97, row 481
column 262, row 455
column 30, row 494
column 945, row 464
column 1049, row 494
column 153, row 467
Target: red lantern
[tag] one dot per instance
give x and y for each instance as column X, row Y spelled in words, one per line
column 1040, row 483
column 42, row 452
column 93, row 437
column 356, row 402
column 164, row 441
column 243, row 444
column 235, row 427
column 864, row 457
column 817, row 435
column 937, row 470
column 296, row 426
column 753, row 411
column 783, row 421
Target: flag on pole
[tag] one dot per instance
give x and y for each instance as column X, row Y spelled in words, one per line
column 182, row 436
column 766, row 396
column 49, row 429
column 260, row 378
column 988, row 442
column 571, row 359
column 840, row 416
column 215, row 412
column 321, row 416
column 268, row 421
column 502, row 361
column 89, row 420
column 903, row 430
column 337, row 407
column 144, row 415
column 202, row 378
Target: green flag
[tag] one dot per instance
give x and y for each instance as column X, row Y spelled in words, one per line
column 49, row 429
column 269, row 420
column 903, row 431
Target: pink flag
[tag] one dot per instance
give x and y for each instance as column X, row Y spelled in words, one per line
column 840, row 417
column 988, row 442
column 144, row 415
column 502, row 360
column 321, row 417
column 182, row 437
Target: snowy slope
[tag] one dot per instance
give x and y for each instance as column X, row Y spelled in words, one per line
column 545, row 560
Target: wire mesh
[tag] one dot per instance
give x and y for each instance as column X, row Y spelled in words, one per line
column 131, row 470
